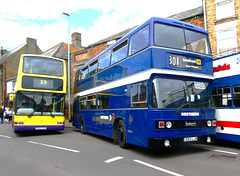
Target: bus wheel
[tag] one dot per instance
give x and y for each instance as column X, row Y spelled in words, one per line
column 82, row 127
column 121, row 133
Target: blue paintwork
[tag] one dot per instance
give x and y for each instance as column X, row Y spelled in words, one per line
column 228, row 137
column 140, row 122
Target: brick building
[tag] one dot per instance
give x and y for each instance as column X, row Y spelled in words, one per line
column 223, row 26
column 85, row 54
column 9, row 65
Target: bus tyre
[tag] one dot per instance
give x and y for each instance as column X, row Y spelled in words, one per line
column 82, row 126
column 121, row 133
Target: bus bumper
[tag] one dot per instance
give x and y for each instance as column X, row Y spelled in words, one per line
column 173, row 142
column 38, row 128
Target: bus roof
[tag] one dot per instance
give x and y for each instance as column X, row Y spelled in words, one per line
column 150, row 21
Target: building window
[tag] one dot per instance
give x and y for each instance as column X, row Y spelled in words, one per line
column 224, row 9
column 222, row 97
column 226, row 38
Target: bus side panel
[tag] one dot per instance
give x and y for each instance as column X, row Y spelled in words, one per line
column 228, row 137
column 228, row 124
column 132, row 65
column 137, row 127
column 76, row 119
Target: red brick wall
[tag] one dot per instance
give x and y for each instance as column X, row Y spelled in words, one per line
column 198, row 21
column 211, row 18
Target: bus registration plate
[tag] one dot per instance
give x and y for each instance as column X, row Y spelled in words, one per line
column 40, row 128
column 190, row 139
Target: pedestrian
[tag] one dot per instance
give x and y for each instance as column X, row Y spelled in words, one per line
column 10, row 115
column 7, row 113
column 1, row 114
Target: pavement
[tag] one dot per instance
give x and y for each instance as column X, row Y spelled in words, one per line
column 68, row 124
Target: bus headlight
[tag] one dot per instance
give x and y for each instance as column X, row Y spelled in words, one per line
column 169, row 124
column 167, row 143
column 209, row 123
column 209, row 139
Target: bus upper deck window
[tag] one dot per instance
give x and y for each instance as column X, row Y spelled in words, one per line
column 169, row 36
column 119, row 52
column 104, row 61
column 139, row 40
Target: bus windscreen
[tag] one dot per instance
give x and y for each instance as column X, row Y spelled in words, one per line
column 48, row 66
column 180, row 38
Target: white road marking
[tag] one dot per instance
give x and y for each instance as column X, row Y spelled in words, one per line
column 222, row 151
column 113, row 159
column 158, row 168
column 5, row 136
column 53, row 146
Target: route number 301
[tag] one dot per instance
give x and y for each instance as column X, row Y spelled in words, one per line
column 174, row 61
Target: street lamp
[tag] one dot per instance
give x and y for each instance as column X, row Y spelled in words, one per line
column 69, row 69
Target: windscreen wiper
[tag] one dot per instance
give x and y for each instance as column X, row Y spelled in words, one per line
column 30, row 115
column 52, row 114
column 181, row 104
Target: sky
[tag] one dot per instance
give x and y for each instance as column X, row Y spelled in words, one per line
column 94, row 19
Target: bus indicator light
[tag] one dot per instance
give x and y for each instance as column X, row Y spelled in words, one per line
column 161, row 124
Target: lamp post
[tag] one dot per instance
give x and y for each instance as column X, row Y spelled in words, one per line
column 69, row 69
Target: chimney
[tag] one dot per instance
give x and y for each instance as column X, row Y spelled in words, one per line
column 31, row 41
column 76, row 40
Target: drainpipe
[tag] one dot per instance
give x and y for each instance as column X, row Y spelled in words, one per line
column 204, row 15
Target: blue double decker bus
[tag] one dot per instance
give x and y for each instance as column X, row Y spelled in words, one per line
column 152, row 88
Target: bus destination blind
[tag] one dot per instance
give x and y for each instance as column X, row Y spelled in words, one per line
column 179, row 61
column 30, row 82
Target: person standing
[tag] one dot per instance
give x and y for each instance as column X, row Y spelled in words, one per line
column 7, row 113
column 1, row 114
column 10, row 115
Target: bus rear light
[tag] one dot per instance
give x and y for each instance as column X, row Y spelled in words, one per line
column 113, row 116
column 161, row 124
column 20, row 123
column 214, row 123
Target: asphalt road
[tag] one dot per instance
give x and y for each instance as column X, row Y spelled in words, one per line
column 69, row 153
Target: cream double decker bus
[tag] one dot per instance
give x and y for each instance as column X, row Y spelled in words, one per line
column 39, row 102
